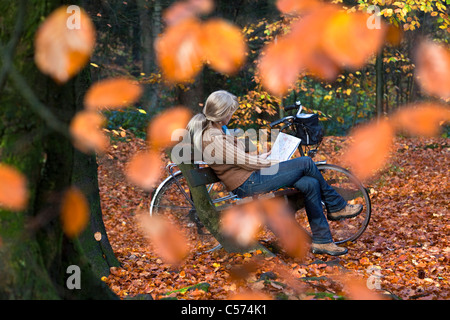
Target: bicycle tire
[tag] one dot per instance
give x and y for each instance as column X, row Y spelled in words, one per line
column 161, row 200
column 170, row 202
column 346, row 184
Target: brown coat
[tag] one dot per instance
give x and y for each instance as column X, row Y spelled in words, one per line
column 226, row 155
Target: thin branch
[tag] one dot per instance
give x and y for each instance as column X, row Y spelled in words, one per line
column 8, row 68
column 12, row 44
column 26, row 92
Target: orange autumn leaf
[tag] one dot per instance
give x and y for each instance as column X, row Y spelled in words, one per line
column 85, row 129
column 369, row 148
column 178, row 12
column 74, row 212
column 358, row 290
column 167, row 239
column 322, row 42
column 179, row 52
column 63, row 49
column 432, row 71
column 202, row 6
column 112, row 93
column 424, row 119
column 144, row 169
column 301, row 50
column 13, row 188
column 162, row 127
column 307, row 34
column 187, row 9
column 348, row 41
column 394, row 35
column 223, row 45
column 242, row 223
column 250, row 295
column 296, row 6
column 280, row 219
column 280, row 66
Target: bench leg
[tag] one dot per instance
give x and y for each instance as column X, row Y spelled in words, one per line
column 219, row 246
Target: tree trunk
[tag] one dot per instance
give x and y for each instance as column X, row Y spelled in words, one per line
column 379, row 84
column 150, row 28
column 210, row 217
column 35, row 255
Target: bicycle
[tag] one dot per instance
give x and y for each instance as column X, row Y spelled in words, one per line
column 172, row 195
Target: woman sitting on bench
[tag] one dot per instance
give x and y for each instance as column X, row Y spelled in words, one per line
column 242, row 173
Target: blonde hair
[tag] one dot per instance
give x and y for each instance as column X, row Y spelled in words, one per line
column 219, row 105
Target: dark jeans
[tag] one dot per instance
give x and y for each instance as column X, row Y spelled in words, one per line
column 300, row 173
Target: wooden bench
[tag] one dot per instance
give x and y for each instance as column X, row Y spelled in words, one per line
column 206, row 175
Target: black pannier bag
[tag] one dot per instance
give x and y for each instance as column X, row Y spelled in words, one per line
column 309, row 129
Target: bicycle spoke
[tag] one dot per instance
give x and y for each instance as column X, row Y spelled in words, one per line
column 354, row 193
column 171, row 202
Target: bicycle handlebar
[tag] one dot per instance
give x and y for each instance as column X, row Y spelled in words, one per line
column 291, row 107
column 297, row 105
column 276, row 122
column 284, row 120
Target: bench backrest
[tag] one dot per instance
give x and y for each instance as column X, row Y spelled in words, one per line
column 201, row 176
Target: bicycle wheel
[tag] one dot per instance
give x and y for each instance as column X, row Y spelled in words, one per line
column 348, row 186
column 172, row 199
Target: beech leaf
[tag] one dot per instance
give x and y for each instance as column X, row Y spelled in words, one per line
column 112, row 93
column 62, row 49
column 13, row 188
column 74, row 212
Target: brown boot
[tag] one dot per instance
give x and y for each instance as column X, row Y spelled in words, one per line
column 328, row 248
column 350, row 211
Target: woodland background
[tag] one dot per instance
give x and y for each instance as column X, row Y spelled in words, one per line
column 68, row 137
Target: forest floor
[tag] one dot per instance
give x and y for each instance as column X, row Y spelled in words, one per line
column 403, row 254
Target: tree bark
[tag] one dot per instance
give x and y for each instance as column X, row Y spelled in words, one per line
column 34, row 252
column 150, row 28
column 210, row 217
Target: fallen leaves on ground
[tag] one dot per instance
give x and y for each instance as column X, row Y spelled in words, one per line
column 406, row 243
